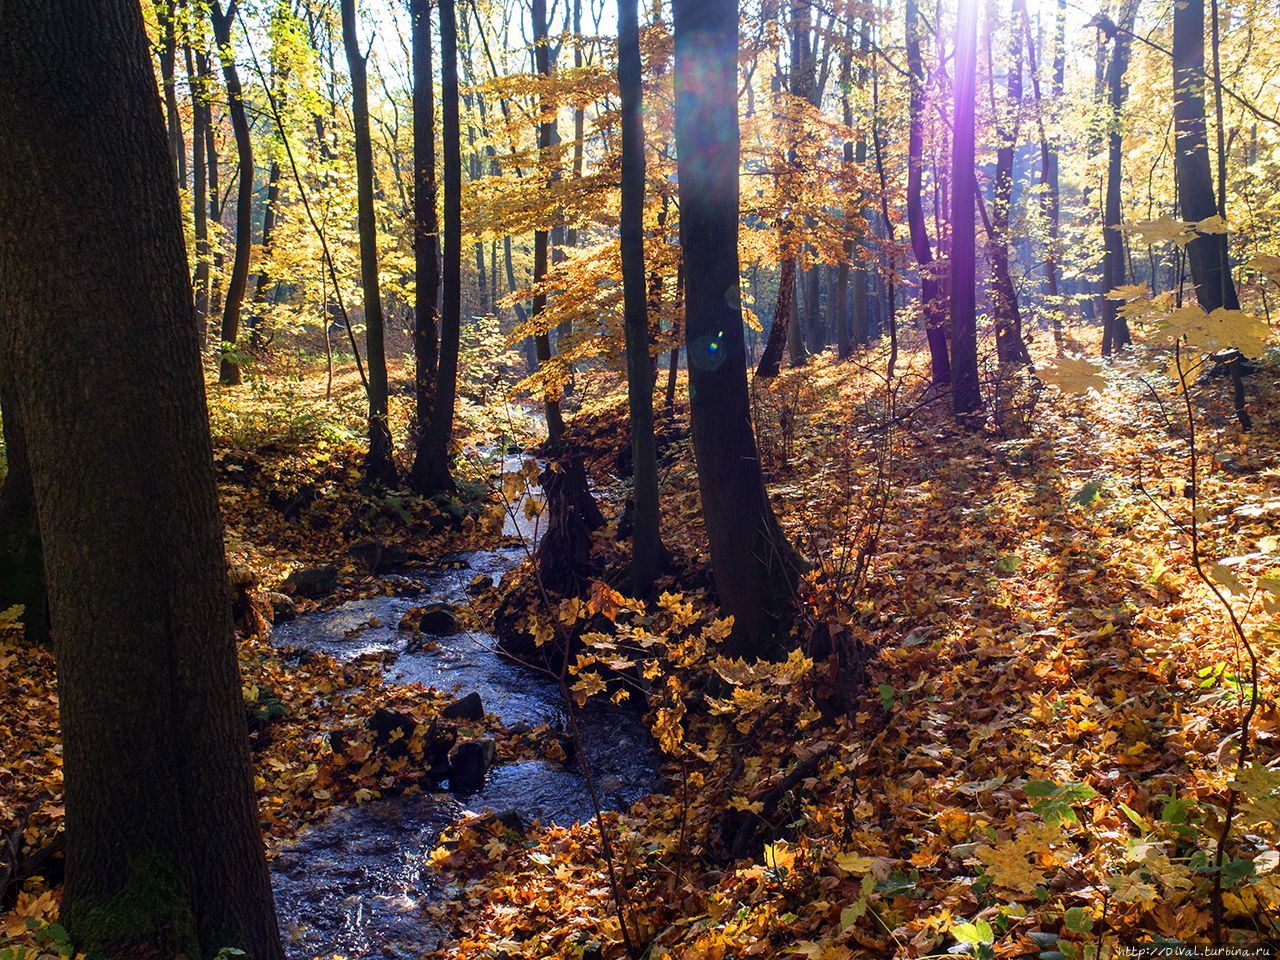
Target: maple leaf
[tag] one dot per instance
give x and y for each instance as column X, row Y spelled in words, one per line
column 605, row 600
column 1074, row 375
column 1165, row 229
column 587, row 686
column 1008, row 866
column 1131, row 888
column 1128, row 291
column 1212, row 224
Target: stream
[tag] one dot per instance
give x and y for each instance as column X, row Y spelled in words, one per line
column 356, row 883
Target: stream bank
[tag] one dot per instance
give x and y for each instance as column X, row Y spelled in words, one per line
column 356, row 884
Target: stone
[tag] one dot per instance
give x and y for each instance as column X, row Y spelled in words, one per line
column 438, row 619
column 312, row 583
column 512, row 820
column 469, row 707
column 385, row 724
column 470, row 761
column 377, row 555
column 282, row 607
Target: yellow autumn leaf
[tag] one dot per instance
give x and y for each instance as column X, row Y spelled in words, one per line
column 1074, row 375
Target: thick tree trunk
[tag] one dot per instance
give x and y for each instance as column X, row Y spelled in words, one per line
column 378, row 465
column 229, row 371
column 1115, row 329
column 755, row 569
column 426, row 246
column 932, row 308
column 432, row 467
column 646, row 544
column 966, row 394
column 1208, row 253
column 164, row 852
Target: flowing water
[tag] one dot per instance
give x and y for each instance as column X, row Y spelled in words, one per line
column 356, row 883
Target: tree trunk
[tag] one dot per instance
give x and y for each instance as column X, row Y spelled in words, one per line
column 205, row 66
column 229, row 371
column 164, row 851
column 1010, row 347
column 426, row 247
column 21, row 557
column 530, row 349
column 844, row 348
column 432, row 468
column 966, row 395
column 755, row 568
column 932, row 309
column 1049, row 202
column 546, row 137
column 646, row 544
column 199, row 196
column 1208, row 253
column 673, row 361
column 780, row 333
column 378, row 465
column 268, row 227
column 1115, row 329
column 168, row 63
column 784, row 334
column 859, row 326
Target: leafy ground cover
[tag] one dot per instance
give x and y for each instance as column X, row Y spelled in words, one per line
column 1011, row 720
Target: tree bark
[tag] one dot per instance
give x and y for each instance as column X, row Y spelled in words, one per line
column 164, row 852
column 1049, row 202
column 646, row 543
column 426, row 246
column 199, row 196
column 229, row 370
column 932, row 308
column 205, row 66
column 168, row 64
column 755, row 568
column 546, row 137
column 432, row 467
column 859, row 325
column 1115, row 329
column 268, row 227
column 1010, row 347
column 379, row 466
column 784, row 333
column 844, row 347
column 966, row 394
column 1207, row 253
column 21, row 556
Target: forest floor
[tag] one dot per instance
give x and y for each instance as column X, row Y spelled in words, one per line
column 1011, row 722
